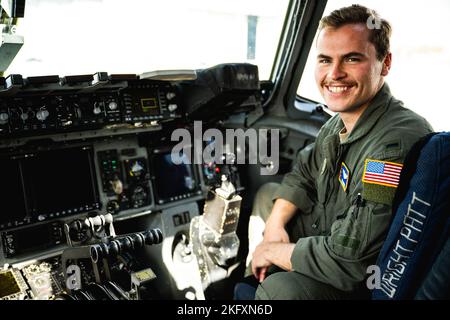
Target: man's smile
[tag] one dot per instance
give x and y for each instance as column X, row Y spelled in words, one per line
column 338, row 89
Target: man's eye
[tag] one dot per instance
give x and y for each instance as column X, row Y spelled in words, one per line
column 353, row 59
column 324, row 60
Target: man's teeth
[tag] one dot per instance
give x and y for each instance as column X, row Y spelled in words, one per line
column 338, row 89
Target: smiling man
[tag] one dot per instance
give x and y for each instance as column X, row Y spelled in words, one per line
column 327, row 220
column 349, row 69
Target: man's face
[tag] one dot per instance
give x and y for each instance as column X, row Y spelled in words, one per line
column 348, row 73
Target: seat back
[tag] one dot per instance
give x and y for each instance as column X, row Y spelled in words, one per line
column 420, row 224
column 436, row 285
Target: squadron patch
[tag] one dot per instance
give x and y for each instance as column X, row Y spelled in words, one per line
column 344, row 176
column 380, row 180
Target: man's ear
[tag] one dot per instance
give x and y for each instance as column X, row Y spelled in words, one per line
column 386, row 64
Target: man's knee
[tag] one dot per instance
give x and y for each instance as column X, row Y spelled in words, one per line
column 279, row 286
column 262, row 205
column 295, row 286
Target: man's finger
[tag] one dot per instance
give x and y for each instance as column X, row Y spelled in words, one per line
column 254, row 270
column 262, row 274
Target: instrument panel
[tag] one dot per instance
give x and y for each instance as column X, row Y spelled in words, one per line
column 49, row 178
column 115, row 176
column 82, row 148
column 49, row 105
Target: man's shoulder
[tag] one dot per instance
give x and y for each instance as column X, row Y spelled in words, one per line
column 400, row 121
column 397, row 131
column 400, row 115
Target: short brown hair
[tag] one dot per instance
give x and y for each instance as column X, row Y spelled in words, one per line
column 380, row 32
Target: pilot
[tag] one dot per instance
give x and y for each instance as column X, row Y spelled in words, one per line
column 326, row 222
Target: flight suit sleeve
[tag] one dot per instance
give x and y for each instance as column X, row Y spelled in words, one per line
column 356, row 237
column 299, row 185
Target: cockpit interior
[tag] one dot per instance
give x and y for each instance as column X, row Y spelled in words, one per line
column 138, row 183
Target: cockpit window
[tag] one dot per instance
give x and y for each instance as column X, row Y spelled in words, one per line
column 420, row 56
column 68, row 37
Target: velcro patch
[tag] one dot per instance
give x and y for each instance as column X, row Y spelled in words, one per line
column 348, row 242
column 378, row 193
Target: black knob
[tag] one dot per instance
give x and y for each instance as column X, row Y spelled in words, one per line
column 138, row 240
column 96, row 253
column 112, row 207
column 78, row 231
column 153, row 236
column 105, row 249
column 114, row 248
column 125, row 244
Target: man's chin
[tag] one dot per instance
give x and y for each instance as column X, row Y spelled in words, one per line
column 347, row 107
column 337, row 104
column 338, row 107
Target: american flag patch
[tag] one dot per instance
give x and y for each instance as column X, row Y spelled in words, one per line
column 382, row 172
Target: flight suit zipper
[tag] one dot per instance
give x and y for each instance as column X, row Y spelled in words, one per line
column 330, row 186
column 331, row 181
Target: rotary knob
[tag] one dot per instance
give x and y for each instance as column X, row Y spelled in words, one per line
column 112, row 207
column 24, row 116
column 170, row 95
column 4, row 117
column 43, row 114
column 97, row 109
column 138, row 197
column 112, row 105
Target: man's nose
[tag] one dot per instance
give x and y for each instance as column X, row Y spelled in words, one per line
column 336, row 72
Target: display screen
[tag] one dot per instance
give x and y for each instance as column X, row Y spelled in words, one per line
column 32, row 238
column 11, row 192
column 60, row 181
column 172, row 180
column 46, row 184
column 8, row 284
column 149, row 106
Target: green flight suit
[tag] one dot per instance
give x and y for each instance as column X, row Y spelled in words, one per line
column 341, row 232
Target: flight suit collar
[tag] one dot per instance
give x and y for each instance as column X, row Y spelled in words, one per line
column 370, row 116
